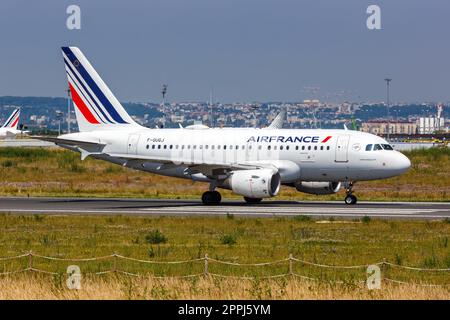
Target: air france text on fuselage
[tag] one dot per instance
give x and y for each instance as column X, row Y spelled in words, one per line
column 283, row 139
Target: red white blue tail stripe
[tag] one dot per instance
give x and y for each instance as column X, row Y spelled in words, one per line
column 13, row 120
column 91, row 96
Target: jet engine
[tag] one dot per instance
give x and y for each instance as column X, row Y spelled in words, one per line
column 260, row 183
column 318, row 188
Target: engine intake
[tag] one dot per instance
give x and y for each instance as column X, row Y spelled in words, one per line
column 318, row 188
column 260, row 183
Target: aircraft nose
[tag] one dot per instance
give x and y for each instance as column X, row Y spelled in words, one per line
column 402, row 163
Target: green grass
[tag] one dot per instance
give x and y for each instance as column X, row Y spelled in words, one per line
column 243, row 240
column 56, row 172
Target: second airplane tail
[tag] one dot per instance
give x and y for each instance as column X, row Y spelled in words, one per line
column 13, row 120
column 96, row 107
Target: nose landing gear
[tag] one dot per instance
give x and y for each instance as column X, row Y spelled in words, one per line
column 350, row 199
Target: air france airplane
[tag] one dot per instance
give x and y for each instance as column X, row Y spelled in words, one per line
column 9, row 128
column 253, row 163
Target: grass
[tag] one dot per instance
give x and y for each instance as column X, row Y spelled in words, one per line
column 56, row 172
column 204, row 288
column 242, row 240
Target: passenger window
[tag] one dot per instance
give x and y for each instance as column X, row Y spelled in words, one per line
column 321, row 147
column 153, row 146
column 259, row 147
column 268, row 147
column 165, row 147
column 315, row 147
column 369, row 147
column 296, row 147
column 224, row 147
column 328, row 147
column 309, row 147
column 171, row 146
column 303, row 147
column 281, row 147
column 159, row 146
column 287, row 147
column 274, row 147
column 147, row 146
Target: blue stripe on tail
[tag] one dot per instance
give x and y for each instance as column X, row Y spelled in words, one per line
column 91, row 83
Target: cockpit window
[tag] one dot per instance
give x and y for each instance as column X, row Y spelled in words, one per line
column 369, row 147
column 377, row 147
column 387, row 147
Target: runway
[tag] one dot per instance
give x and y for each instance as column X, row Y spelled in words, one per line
column 159, row 207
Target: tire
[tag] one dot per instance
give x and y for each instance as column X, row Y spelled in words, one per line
column 350, row 199
column 211, row 198
column 252, row 200
column 217, row 197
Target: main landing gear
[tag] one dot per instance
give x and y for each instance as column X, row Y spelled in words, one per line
column 211, row 198
column 350, row 199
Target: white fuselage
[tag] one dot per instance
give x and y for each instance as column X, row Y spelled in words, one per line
column 298, row 154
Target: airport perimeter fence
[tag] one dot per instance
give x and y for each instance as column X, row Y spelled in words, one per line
column 207, row 261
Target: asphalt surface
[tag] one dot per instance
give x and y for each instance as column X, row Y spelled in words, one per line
column 158, row 207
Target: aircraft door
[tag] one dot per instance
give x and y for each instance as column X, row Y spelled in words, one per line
column 342, row 148
column 133, row 140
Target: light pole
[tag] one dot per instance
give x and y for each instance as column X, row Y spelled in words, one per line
column 59, row 116
column 68, row 111
column 388, row 81
column 255, row 109
column 163, row 92
column 211, row 104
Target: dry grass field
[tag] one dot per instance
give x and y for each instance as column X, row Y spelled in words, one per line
column 57, row 172
column 239, row 240
column 205, row 288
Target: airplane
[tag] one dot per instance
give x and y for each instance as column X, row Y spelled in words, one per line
column 252, row 162
column 9, row 128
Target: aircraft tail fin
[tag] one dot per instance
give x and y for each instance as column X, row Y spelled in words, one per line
column 13, row 120
column 96, row 107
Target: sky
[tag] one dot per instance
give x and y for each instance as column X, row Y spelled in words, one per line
column 243, row 50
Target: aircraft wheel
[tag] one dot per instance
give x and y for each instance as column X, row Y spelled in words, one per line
column 211, row 198
column 350, row 199
column 252, row 200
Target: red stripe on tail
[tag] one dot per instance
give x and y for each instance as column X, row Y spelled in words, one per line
column 15, row 122
column 81, row 106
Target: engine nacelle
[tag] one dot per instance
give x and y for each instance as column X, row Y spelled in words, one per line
column 261, row 183
column 318, row 188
